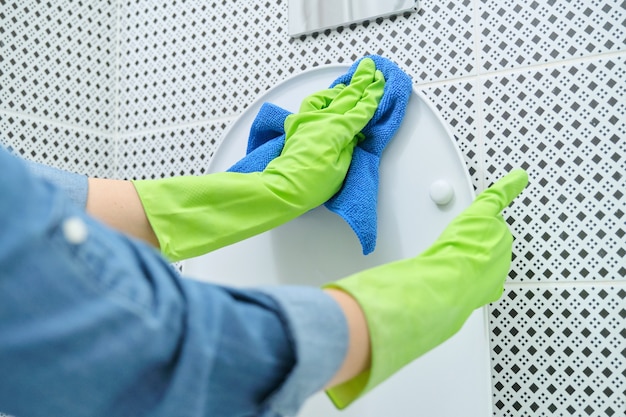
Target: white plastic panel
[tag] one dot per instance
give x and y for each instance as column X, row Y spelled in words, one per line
column 307, row 16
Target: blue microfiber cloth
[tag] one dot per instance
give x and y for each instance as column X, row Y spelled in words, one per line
column 356, row 201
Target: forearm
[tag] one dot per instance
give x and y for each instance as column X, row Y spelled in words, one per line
column 193, row 215
column 358, row 356
column 117, row 204
column 114, row 202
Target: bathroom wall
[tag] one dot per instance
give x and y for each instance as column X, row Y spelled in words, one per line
column 147, row 88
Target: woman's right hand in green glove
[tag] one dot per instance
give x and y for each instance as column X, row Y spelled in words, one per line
column 193, row 215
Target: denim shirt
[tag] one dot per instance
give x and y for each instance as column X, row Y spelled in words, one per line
column 93, row 323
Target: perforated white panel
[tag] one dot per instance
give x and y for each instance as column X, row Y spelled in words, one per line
column 58, row 61
column 61, row 146
column 200, row 59
column 559, row 351
column 168, row 153
column 514, row 33
column 566, row 125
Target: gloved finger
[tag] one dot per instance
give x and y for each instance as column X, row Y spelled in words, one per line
column 344, row 158
column 494, row 199
column 364, row 75
column 365, row 108
column 321, row 99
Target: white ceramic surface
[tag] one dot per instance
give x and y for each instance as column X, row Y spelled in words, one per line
column 451, row 380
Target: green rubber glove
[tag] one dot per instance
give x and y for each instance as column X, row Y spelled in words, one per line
column 413, row 305
column 193, row 215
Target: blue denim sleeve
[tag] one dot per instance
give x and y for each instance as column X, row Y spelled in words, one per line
column 93, row 323
column 74, row 185
column 320, row 336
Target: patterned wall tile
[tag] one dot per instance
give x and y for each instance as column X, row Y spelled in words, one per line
column 58, row 61
column 515, row 34
column 198, row 60
column 565, row 125
column 559, row 350
column 458, row 107
column 436, row 43
column 58, row 145
column 167, row 153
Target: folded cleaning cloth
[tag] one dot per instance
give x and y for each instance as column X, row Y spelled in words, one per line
column 356, row 201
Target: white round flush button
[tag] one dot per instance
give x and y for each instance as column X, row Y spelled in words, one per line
column 441, row 192
column 75, row 230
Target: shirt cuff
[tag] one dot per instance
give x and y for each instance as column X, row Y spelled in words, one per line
column 319, row 334
column 74, row 186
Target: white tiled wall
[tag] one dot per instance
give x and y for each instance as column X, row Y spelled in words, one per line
column 146, row 89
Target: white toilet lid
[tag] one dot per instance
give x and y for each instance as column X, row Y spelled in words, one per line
column 318, row 247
